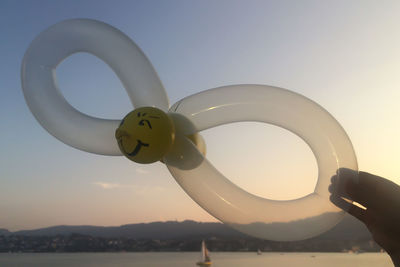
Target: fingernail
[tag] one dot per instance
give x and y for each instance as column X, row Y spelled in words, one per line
column 331, row 188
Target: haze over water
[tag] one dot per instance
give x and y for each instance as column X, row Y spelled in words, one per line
column 187, row 259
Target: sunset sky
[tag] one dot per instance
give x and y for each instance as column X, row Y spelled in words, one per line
column 342, row 54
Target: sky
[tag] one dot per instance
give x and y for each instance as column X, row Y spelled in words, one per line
column 342, row 54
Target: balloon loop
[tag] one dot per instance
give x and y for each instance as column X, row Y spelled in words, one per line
column 149, row 134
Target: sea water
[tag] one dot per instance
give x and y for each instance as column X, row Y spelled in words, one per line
column 219, row 259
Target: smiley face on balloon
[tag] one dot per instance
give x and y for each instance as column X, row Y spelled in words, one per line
column 145, row 135
column 157, row 131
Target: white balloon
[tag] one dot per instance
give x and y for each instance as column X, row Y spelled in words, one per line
column 49, row 106
column 270, row 219
column 265, row 218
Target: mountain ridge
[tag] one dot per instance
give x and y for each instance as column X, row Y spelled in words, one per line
column 348, row 229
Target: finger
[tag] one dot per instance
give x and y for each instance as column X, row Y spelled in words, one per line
column 340, row 202
column 374, row 192
column 331, row 188
column 341, row 179
column 353, row 210
column 359, row 213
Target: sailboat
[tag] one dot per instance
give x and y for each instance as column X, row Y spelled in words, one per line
column 205, row 257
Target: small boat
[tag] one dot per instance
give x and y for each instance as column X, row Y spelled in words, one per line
column 205, row 257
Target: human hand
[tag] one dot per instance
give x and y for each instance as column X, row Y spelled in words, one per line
column 381, row 199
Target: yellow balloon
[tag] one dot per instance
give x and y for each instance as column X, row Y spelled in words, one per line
column 145, row 135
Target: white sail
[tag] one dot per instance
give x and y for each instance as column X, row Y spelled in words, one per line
column 205, row 257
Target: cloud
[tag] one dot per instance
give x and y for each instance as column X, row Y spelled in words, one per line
column 107, row 185
column 137, row 189
column 142, row 171
column 148, row 190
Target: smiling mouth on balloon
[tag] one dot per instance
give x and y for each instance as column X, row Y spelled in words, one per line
column 139, row 145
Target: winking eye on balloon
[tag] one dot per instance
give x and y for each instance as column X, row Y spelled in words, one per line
column 156, row 131
column 145, row 135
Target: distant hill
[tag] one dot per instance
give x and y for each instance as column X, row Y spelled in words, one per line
column 154, row 230
column 4, row 232
column 348, row 229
